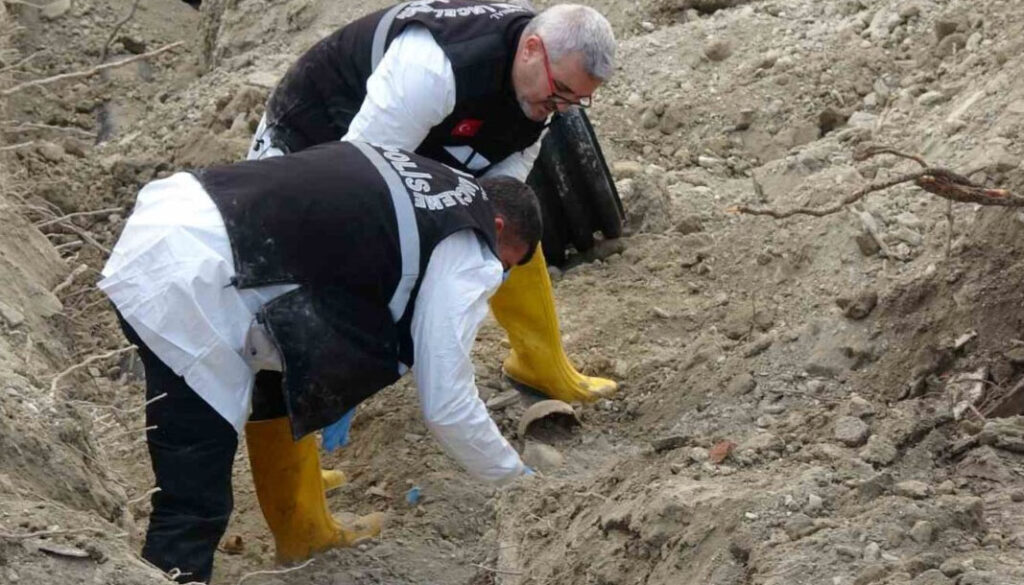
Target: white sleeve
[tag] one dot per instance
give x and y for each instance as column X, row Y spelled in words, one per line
column 518, row 164
column 452, row 302
column 411, row 91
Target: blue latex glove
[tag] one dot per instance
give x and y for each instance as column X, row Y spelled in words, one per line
column 336, row 434
column 527, row 470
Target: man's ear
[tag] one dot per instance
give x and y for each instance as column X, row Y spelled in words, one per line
column 531, row 46
column 499, row 224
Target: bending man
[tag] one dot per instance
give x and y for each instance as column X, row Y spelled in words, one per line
column 322, row 276
column 469, row 84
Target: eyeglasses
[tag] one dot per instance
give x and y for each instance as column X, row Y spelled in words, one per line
column 555, row 99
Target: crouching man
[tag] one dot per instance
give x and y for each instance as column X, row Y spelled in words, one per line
column 275, row 295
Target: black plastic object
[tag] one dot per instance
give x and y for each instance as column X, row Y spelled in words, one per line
column 576, row 190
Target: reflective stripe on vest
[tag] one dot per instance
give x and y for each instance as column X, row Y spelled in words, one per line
column 380, row 34
column 408, row 230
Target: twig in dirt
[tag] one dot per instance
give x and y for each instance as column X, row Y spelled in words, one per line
column 949, row 222
column 30, row 126
column 78, row 214
column 17, row 146
column 88, row 72
column 275, row 571
column 591, row 495
column 873, row 151
column 70, row 278
column 496, row 571
column 938, row 181
column 82, row 364
column 141, row 497
column 117, row 28
column 23, row 61
column 40, row 533
column 131, row 432
column 86, row 236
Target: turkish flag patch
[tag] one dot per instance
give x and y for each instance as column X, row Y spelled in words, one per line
column 467, row 128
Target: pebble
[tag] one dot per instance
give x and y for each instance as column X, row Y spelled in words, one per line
column 923, row 532
column 814, row 504
column 878, row 451
column 951, row 567
column 913, row 489
column 859, row 407
column 717, row 50
column 931, row 98
column 12, row 316
column 542, row 457
column 850, row 431
column 872, row 552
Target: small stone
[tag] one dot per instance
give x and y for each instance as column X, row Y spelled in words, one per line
column 850, row 431
column 951, row 45
column 12, row 316
column 859, row 307
column 872, row 552
column 945, row 488
column 542, row 457
column 698, row 455
column 867, row 244
column 51, row 152
column 908, row 11
column 943, row 28
column 413, row 437
column 923, row 532
column 717, row 50
column 847, row 552
column 1017, row 496
column 721, row 451
column 742, row 384
column 951, row 567
column 55, row 9
column 932, row 577
column 814, row 504
column 799, row 526
column 871, row 574
column 670, row 442
column 689, row 224
column 625, row 169
column 931, row 98
column 878, row 451
column 647, row 26
column 859, row 407
column 649, row 119
column 503, row 400
column 917, row 490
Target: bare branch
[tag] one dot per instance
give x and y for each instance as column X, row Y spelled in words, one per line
column 30, row 126
column 70, row 278
column 78, row 214
column 938, row 181
column 88, row 72
column 275, row 571
column 17, row 146
column 86, row 362
column 24, row 61
column 117, row 28
column 823, row 211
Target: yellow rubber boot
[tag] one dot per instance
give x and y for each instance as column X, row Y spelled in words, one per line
column 290, row 489
column 525, row 307
column 333, row 479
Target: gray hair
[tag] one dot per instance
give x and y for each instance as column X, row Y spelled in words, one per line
column 573, row 28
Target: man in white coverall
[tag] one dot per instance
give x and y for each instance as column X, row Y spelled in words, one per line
column 322, row 276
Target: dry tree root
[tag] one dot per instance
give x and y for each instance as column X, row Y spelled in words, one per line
column 938, row 181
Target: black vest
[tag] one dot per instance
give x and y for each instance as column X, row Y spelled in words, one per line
column 354, row 225
column 322, row 91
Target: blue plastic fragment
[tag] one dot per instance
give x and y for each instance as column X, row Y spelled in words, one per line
column 412, row 497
